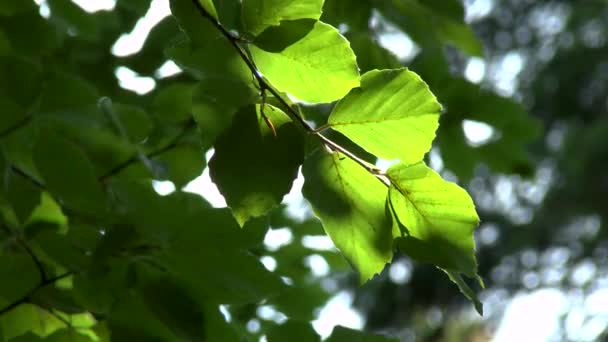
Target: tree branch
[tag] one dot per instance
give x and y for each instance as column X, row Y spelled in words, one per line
column 137, row 157
column 26, row 297
column 29, row 251
column 265, row 85
column 16, row 126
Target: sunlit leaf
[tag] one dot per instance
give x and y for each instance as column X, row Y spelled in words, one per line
column 309, row 60
column 393, row 115
column 260, row 14
column 350, row 203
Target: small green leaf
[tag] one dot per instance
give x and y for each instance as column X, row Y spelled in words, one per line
column 350, row 203
column 393, row 115
column 466, row 290
column 342, row 334
column 252, row 167
column 315, row 65
column 293, row 331
column 68, row 174
column 436, row 218
column 261, row 14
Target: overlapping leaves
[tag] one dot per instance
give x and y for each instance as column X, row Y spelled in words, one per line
column 77, row 184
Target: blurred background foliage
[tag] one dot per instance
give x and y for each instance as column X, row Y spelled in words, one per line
column 524, row 85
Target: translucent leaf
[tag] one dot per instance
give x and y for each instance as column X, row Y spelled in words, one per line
column 252, row 167
column 311, row 62
column 435, row 220
column 350, row 203
column 342, row 334
column 29, row 317
column 393, row 115
column 68, row 174
column 209, row 7
column 260, row 14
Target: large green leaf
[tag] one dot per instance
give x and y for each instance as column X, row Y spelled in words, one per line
column 436, row 217
column 260, row 14
column 393, row 115
column 220, row 274
column 179, row 311
column 68, row 174
column 350, row 203
column 314, row 64
column 252, row 167
column 435, row 221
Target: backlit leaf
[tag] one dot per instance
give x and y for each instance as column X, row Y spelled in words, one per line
column 350, row 203
column 260, row 14
column 393, row 115
column 314, row 64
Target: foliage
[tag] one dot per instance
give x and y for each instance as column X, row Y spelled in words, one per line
column 91, row 252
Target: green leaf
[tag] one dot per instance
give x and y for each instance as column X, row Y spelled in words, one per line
column 209, row 7
column 315, row 65
column 67, row 92
column 12, row 114
column 293, row 331
column 30, row 34
column 393, row 115
column 433, row 23
column 466, row 290
column 350, row 203
column 261, row 14
column 174, row 306
column 21, row 80
column 19, row 274
column 221, row 275
column 173, row 103
column 68, row 174
column 12, row 7
column 265, row 165
column 61, row 249
column 436, row 218
column 28, row 317
column 23, row 196
column 342, row 334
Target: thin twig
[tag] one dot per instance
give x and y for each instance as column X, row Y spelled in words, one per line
column 25, row 298
column 28, row 250
column 265, row 85
column 137, row 157
column 27, row 176
column 16, row 126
